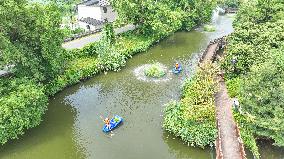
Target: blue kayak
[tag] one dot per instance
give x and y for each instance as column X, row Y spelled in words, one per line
column 114, row 122
column 178, row 70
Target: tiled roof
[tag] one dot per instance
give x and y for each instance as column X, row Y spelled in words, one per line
column 92, row 21
column 95, row 2
column 104, row 3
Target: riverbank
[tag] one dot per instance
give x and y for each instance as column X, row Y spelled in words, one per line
column 72, row 126
column 79, row 64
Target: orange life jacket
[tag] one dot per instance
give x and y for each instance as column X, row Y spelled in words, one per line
column 177, row 65
column 107, row 121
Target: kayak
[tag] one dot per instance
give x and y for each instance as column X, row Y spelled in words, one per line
column 114, row 122
column 178, row 70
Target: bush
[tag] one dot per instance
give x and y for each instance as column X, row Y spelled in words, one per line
column 193, row 118
column 76, row 70
column 246, row 126
column 233, row 86
column 22, row 108
column 155, row 70
column 67, row 32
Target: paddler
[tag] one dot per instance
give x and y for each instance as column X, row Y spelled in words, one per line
column 107, row 122
column 177, row 66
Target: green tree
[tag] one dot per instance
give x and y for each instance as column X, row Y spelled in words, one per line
column 261, row 96
column 31, row 39
column 164, row 16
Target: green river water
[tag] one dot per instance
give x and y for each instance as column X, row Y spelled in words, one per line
column 72, row 127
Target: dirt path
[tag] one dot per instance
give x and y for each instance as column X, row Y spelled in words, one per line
column 229, row 139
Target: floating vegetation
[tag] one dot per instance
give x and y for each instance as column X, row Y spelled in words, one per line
column 155, row 70
column 140, row 73
column 209, row 28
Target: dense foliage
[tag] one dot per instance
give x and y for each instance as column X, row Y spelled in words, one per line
column 231, row 3
column 30, row 39
column 68, row 32
column 262, row 93
column 164, row 16
column 193, row 118
column 22, row 105
column 155, row 70
column 257, row 76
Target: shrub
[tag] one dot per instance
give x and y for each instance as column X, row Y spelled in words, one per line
column 193, row 118
column 21, row 108
column 233, row 86
column 246, row 121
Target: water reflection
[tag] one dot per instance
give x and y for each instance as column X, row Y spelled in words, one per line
column 183, row 151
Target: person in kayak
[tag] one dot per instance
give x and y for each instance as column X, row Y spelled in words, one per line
column 107, row 122
column 177, row 66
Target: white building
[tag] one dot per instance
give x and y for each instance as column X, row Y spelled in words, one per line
column 92, row 14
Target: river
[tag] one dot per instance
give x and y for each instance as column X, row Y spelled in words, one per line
column 72, row 127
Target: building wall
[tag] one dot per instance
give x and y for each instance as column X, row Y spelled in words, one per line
column 84, row 26
column 89, row 11
column 110, row 14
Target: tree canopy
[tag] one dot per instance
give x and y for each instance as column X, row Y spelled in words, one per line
column 164, row 15
column 30, row 38
column 257, row 44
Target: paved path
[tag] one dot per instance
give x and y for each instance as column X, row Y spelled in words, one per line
column 80, row 43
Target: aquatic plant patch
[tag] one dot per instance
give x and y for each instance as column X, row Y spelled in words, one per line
column 155, row 70
column 209, row 28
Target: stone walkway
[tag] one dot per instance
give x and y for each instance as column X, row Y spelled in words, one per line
column 80, row 43
column 230, row 145
column 229, row 138
column 210, row 53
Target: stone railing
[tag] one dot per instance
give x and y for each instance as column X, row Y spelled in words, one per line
column 218, row 143
column 242, row 149
column 222, row 42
